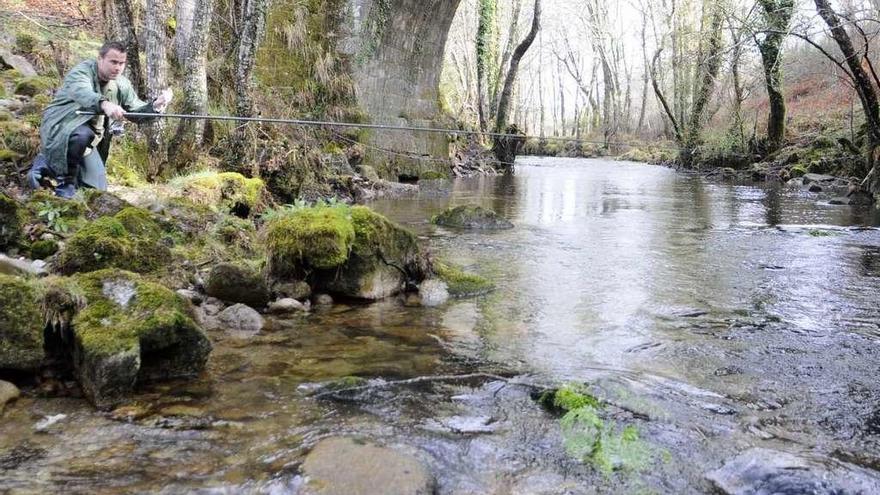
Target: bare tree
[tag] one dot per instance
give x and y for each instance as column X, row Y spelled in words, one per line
column 157, row 78
column 190, row 132
column 777, row 16
column 505, row 150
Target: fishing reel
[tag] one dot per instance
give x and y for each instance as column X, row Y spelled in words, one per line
column 117, row 128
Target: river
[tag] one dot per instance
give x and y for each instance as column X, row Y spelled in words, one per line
column 726, row 323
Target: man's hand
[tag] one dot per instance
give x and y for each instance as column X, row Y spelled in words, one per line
column 112, row 110
column 161, row 102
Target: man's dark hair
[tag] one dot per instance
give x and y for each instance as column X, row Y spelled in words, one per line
column 112, row 45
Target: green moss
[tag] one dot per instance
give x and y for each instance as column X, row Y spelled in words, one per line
column 821, row 233
column 43, row 249
column 19, row 137
column 25, row 43
column 21, row 324
column 10, row 221
column 573, row 396
column 225, row 191
column 798, row 171
column 306, row 238
column 151, row 318
column 376, row 234
column 34, row 85
column 461, row 284
column 433, row 175
column 128, row 162
column 107, row 243
column 139, row 222
column 9, row 156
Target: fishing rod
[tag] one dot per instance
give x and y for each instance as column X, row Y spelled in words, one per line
column 352, row 125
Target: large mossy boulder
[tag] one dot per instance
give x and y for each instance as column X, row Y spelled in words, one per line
column 227, row 192
column 472, row 217
column 305, row 239
column 130, row 240
column 130, row 331
column 21, row 324
column 10, row 221
column 349, row 251
column 383, row 258
column 237, row 283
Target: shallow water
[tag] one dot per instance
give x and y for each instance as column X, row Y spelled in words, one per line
column 715, row 318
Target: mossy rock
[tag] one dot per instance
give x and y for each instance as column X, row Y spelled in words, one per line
column 237, row 233
column 107, row 243
column 102, row 204
column 237, row 283
column 459, row 283
column 798, row 171
column 21, row 324
column 132, row 331
column 19, row 137
column 10, row 221
column 471, row 217
column 384, row 257
column 34, row 85
column 305, row 239
column 42, row 249
column 229, row 192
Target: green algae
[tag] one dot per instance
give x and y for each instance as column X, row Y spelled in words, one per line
column 298, row 240
column 460, row 283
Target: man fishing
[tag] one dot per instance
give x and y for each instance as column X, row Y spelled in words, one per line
column 86, row 111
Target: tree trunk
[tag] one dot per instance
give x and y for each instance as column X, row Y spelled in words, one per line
column 190, row 132
column 183, row 14
column 864, row 88
column 120, row 22
column 709, row 66
column 777, row 15
column 254, row 22
column 508, row 52
column 485, row 49
column 506, row 149
column 157, row 79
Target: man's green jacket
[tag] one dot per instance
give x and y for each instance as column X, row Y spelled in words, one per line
column 81, row 90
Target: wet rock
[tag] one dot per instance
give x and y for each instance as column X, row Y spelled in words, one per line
column 296, row 289
column 323, row 300
column 472, row 217
column 21, row 325
column 241, row 320
column 17, row 62
column 345, row 466
column 860, row 198
column 190, row 295
column 8, row 393
column 132, row 330
column 129, row 413
column 237, row 284
column 21, row 267
column 817, row 178
column 48, row 422
column 286, row 306
column 20, row 455
column 764, row 471
column 815, row 188
column 433, row 293
column 464, row 425
column 103, row 204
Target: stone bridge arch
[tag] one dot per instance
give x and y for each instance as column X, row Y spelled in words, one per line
column 393, row 52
